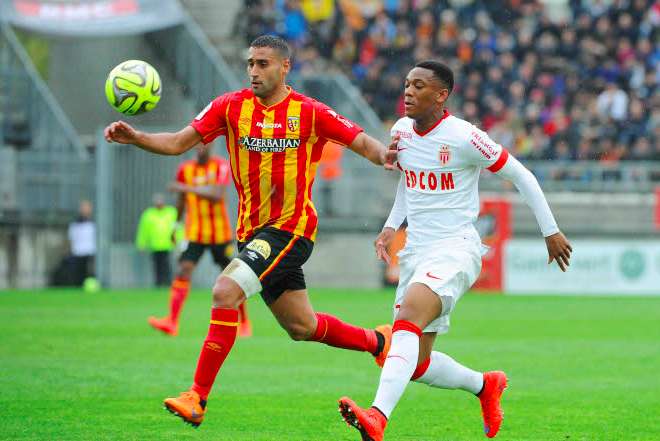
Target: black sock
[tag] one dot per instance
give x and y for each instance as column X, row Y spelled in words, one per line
column 381, row 343
column 482, row 389
column 202, row 403
column 380, row 411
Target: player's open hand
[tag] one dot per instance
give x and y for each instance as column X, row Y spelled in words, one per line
column 559, row 249
column 382, row 242
column 120, row 132
column 391, row 154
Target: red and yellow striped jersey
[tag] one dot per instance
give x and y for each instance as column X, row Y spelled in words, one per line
column 206, row 221
column 274, row 152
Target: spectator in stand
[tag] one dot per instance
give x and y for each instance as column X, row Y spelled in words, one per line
column 605, row 62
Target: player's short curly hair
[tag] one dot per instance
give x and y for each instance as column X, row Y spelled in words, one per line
column 440, row 70
column 275, row 42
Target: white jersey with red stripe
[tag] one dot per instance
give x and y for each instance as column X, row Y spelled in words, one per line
column 440, row 175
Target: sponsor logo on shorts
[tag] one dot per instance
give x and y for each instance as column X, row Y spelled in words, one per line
column 432, row 276
column 260, row 246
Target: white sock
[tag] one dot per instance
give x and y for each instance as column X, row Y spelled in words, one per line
column 446, row 373
column 399, row 367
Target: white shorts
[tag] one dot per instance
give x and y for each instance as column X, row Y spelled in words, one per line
column 448, row 268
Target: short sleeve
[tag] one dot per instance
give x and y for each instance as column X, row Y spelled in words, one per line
column 211, row 122
column 334, row 127
column 224, row 171
column 484, row 152
column 397, row 129
column 180, row 176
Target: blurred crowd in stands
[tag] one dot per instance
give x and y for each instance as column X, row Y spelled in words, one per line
column 553, row 79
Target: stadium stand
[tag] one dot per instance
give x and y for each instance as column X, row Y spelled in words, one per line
column 587, row 91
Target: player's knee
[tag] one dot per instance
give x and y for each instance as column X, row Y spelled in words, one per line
column 227, row 293
column 186, row 269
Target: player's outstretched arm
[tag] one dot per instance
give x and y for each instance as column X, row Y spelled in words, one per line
column 374, row 150
column 559, row 249
column 161, row 143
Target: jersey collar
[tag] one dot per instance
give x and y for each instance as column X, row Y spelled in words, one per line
column 258, row 101
column 445, row 114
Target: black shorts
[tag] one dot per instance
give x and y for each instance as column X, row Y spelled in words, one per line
column 222, row 253
column 277, row 257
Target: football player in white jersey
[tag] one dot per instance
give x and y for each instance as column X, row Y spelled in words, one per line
column 440, row 157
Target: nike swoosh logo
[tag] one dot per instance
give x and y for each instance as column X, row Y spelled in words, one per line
column 400, row 150
column 432, row 276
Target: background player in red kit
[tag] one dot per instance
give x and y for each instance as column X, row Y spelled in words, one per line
column 275, row 137
column 201, row 184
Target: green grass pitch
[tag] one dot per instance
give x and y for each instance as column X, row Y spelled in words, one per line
column 80, row 366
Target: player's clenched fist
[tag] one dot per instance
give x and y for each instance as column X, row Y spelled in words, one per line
column 559, row 249
column 382, row 242
column 121, row 132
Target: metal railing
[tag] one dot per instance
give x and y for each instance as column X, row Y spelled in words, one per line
column 52, row 164
column 33, row 118
column 194, row 61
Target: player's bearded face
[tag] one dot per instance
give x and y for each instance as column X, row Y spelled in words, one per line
column 266, row 69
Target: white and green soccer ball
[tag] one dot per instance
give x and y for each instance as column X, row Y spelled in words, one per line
column 133, row 87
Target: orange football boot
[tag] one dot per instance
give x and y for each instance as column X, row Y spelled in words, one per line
column 491, row 410
column 164, row 325
column 370, row 422
column 386, row 330
column 187, row 406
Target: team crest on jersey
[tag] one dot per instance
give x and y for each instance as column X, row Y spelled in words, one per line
column 444, row 155
column 293, row 123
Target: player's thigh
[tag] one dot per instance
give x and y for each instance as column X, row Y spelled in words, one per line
column 222, row 253
column 406, row 272
column 449, row 274
column 276, row 258
column 191, row 255
column 421, row 305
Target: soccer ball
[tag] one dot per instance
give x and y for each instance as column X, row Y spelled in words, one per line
column 133, row 87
